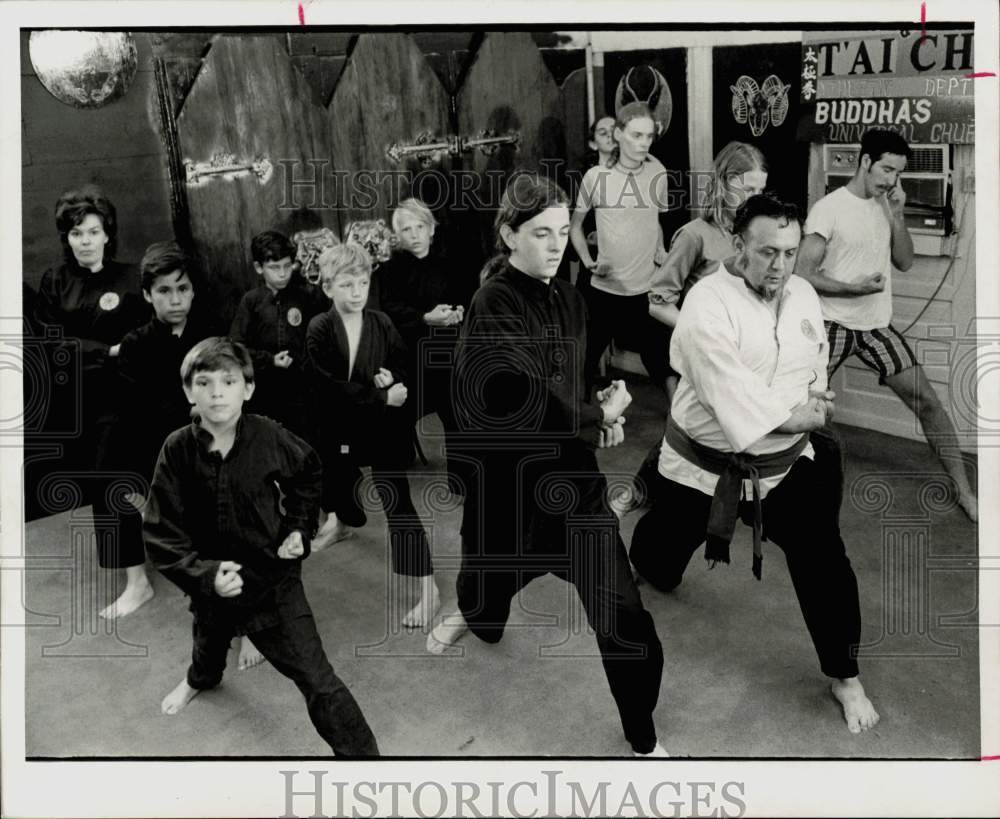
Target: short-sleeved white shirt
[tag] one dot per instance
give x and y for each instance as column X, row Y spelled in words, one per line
column 858, row 243
column 626, row 205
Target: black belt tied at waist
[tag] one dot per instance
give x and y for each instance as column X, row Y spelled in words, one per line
column 732, row 468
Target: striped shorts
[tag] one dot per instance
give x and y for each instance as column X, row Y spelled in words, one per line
column 883, row 350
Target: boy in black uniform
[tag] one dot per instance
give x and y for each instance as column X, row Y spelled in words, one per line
column 149, row 363
column 271, row 321
column 214, row 526
column 359, row 363
column 150, row 356
column 536, row 503
column 424, row 297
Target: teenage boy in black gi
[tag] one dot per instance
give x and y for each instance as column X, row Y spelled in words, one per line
column 536, row 501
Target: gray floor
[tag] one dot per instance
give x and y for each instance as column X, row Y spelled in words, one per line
column 741, row 679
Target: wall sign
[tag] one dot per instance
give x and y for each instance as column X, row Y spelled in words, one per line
column 898, row 80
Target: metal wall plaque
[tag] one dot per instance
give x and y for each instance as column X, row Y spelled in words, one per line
column 85, row 69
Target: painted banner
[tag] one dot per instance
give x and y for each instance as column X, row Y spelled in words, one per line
column 901, row 80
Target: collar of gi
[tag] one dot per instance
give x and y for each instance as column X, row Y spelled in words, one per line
column 206, row 439
column 108, row 267
column 737, row 274
column 529, row 285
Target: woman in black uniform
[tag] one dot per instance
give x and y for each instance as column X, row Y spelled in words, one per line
column 92, row 300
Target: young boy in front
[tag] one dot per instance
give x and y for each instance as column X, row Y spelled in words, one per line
column 271, row 321
column 358, row 360
column 214, row 527
column 148, row 363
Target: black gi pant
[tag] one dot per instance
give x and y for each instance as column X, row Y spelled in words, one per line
column 430, row 386
column 625, row 319
column 290, row 643
column 408, row 545
column 801, row 517
column 588, row 552
column 97, row 449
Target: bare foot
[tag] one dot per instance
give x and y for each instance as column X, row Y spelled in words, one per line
column 325, row 538
column 970, row 506
column 446, row 633
column 423, row 613
column 859, row 713
column 658, row 751
column 135, row 595
column 249, row 654
column 178, row 698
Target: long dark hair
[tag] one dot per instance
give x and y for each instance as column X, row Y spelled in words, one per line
column 76, row 205
column 527, row 195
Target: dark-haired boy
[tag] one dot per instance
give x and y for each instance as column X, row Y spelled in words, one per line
column 271, row 320
column 150, row 357
column 215, row 526
column 149, row 363
column 853, row 238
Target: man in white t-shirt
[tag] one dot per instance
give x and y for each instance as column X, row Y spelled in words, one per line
column 751, row 352
column 627, row 197
column 853, row 238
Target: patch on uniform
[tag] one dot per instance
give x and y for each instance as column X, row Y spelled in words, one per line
column 808, row 330
column 294, row 316
column 109, row 301
column 345, row 449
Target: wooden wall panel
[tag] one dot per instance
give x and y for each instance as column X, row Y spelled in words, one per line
column 388, row 94
column 573, row 95
column 526, row 101
column 251, row 102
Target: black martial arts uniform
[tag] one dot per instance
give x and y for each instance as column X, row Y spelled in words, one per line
column 359, row 428
column 93, row 312
column 153, row 403
column 408, row 289
column 268, row 322
column 536, row 503
column 205, row 508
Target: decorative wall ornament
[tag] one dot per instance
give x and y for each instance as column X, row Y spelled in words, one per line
column 310, row 243
column 375, row 236
column 643, row 83
column 761, row 105
column 85, row 69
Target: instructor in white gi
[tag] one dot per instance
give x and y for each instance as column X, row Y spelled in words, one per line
column 752, row 355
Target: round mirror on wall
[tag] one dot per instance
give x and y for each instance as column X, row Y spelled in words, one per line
column 85, row 69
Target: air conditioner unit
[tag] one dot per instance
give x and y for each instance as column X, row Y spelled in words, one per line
column 925, row 181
